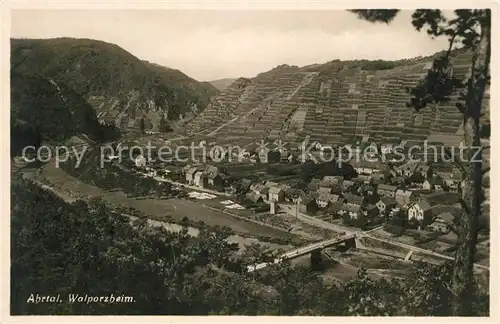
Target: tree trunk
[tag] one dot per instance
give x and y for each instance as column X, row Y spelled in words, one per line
column 467, row 234
column 472, row 197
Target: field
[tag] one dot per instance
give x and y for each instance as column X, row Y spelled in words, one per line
column 443, row 244
column 157, row 208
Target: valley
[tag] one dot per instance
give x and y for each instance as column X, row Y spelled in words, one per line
column 327, row 188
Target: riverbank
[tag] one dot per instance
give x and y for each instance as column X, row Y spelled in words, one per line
column 170, row 210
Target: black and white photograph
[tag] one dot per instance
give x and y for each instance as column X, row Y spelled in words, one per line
column 248, row 161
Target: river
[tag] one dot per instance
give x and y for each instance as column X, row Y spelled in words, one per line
column 240, row 240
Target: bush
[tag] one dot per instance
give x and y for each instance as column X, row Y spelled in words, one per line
column 394, row 229
column 262, row 208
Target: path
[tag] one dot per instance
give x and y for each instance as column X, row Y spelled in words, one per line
column 246, row 114
column 290, row 209
column 217, row 193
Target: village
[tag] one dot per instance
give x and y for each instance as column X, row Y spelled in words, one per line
column 397, row 198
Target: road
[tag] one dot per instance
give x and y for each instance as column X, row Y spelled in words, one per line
column 243, row 114
column 291, row 209
column 217, row 193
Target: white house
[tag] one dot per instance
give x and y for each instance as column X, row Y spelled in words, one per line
column 420, row 211
column 324, row 199
column 260, row 190
column 433, row 184
column 353, row 211
column 386, row 190
column 366, row 167
column 190, row 175
column 386, row 204
column 200, row 180
column 140, row 161
column 276, row 194
column 386, row 148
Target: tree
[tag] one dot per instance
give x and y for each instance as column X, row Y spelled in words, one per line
column 164, row 127
column 22, row 135
column 472, row 29
column 417, row 177
column 486, row 130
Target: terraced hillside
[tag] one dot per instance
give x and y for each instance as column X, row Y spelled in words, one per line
column 335, row 103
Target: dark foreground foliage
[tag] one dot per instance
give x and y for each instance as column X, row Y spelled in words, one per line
column 85, row 248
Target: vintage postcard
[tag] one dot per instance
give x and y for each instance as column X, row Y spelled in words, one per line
column 248, row 160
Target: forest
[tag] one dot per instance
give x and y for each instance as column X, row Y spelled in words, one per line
column 87, row 248
column 96, row 68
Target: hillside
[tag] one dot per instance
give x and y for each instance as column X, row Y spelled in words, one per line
column 222, row 84
column 120, row 87
column 45, row 110
column 338, row 102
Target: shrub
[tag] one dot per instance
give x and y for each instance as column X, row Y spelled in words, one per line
column 394, row 229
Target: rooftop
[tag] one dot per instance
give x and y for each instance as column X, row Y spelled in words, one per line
column 424, row 205
column 387, row 187
column 353, row 199
column 275, row 190
column 388, row 201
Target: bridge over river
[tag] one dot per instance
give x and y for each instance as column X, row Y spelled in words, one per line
column 313, row 249
column 349, row 239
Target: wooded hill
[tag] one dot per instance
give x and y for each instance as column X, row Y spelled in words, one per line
column 119, row 86
column 42, row 110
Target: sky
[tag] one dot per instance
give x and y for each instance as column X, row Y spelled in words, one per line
column 215, row 44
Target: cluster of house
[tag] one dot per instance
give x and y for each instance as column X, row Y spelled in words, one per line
column 202, row 176
column 421, row 176
column 377, row 191
column 435, row 216
column 266, row 156
column 371, row 194
column 205, row 176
